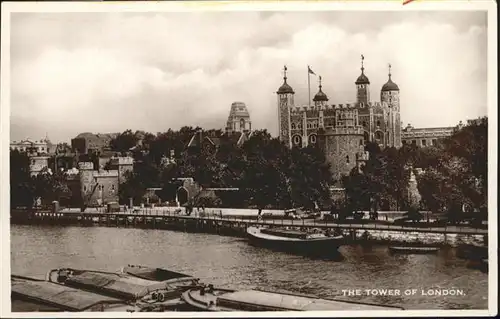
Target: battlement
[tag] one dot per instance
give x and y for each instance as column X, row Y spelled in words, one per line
column 122, row 160
column 85, row 166
column 344, row 131
column 306, row 108
column 112, row 173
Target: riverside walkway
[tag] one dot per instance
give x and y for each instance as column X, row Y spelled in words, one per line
column 216, row 219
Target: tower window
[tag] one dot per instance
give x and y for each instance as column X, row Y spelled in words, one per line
column 297, row 140
column 347, row 159
column 312, row 139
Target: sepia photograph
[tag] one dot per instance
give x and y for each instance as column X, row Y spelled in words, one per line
column 236, row 158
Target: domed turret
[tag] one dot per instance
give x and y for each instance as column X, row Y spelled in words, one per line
column 362, row 79
column 390, row 86
column 362, row 86
column 320, row 96
column 285, row 88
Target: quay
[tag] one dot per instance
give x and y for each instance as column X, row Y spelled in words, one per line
column 213, row 222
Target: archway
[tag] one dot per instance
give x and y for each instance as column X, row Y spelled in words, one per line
column 182, row 195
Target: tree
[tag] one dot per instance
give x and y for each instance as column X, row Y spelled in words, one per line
column 21, row 186
column 124, row 142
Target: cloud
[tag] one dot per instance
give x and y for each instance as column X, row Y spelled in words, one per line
column 100, row 72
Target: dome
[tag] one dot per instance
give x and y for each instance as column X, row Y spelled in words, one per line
column 390, row 86
column 285, row 88
column 320, row 96
column 362, row 79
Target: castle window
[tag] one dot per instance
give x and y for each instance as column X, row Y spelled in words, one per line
column 312, row 139
column 293, row 126
column 309, row 125
column 297, row 140
column 424, row 142
column 347, row 159
column 378, row 123
column 112, row 187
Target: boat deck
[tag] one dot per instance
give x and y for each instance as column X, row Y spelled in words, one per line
column 59, row 296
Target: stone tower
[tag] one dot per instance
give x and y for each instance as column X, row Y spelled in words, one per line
column 389, row 96
column 285, row 102
column 239, row 119
column 87, row 181
column 342, row 142
column 362, row 86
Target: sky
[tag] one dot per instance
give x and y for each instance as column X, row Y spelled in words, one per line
column 108, row 72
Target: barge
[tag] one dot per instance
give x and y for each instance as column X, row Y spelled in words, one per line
column 35, row 295
column 220, row 299
column 149, row 289
column 317, row 243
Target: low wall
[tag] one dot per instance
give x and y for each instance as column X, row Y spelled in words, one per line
column 453, row 240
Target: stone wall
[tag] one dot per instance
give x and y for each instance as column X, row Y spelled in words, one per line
column 426, row 238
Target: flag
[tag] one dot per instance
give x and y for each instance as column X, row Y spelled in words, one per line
column 310, row 71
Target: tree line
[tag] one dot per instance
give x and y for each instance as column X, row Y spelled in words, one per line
column 453, row 177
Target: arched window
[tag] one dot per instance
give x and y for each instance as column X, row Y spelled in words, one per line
column 312, row 139
column 378, row 123
column 242, row 124
column 309, row 125
column 379, row 136
column 297, row 140
column 347, row 159
column 366, row 137
column 293, row 126
column 299, row 126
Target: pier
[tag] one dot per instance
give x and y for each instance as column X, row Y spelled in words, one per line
column 214, row 222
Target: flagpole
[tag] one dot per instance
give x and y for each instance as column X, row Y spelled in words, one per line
column 309, row 85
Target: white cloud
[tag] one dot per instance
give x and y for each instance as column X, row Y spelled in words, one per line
column 99, row 72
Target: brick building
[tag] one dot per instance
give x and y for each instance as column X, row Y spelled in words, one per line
column 85, row 143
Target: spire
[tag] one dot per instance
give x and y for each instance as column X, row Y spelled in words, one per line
column 390, row 86
column 320, row 96
column 362, row 79
column 285, row 88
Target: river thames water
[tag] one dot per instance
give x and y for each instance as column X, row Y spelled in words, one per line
column 232, row 262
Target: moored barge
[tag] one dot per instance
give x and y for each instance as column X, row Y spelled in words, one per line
column 318, row 243
column 219, row 299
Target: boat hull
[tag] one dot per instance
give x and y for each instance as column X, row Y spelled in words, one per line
column 327, row 246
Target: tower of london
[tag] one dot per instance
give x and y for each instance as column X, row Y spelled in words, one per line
column 342, row 130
